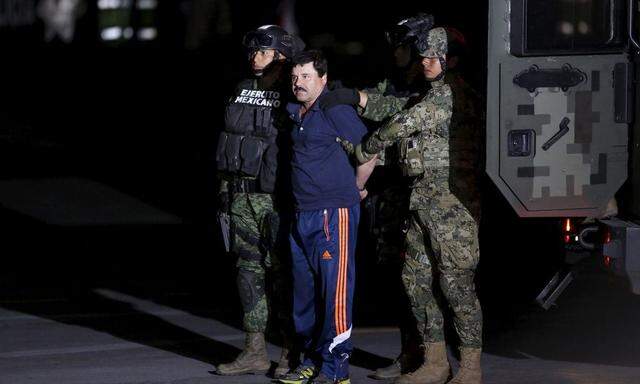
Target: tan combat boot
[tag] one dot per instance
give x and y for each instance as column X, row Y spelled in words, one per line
column 253, row 360
column 434, row 370
column 470, row 371
column 283, row 364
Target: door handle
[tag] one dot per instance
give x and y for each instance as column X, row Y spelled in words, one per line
column 564, row 128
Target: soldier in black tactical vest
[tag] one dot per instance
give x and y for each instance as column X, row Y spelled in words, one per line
column 253, row 192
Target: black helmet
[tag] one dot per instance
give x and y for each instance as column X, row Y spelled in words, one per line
column 271, row 37
column 408, row 30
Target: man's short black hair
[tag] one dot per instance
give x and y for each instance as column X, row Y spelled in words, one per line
column 312, row 56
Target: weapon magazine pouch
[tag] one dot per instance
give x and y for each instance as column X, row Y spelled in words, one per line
column 411, row 157
column 269, row 168
column 232, row 152
column 221, row 157
column 251, row 153
column 264, row 122
column 239, row 118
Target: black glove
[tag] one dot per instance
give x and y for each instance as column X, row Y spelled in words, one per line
column 344, row 96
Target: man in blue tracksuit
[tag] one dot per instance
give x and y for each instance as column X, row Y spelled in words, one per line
column 327, row 190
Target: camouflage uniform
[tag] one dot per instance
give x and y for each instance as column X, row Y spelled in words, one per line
column 442, row 240
column 256, row 227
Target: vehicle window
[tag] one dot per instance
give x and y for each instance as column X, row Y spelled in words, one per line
column 550, row 27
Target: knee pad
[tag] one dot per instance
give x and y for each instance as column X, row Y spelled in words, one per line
column 251, row 289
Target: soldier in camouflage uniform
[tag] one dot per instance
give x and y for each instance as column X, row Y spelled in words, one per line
column 249, row 159
column 439, row 147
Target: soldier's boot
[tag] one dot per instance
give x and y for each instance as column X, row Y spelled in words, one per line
column 389, row 372
column 434, row 370
column 399, row 365
column 283, row 364
column 252, row 360
column 470, row 371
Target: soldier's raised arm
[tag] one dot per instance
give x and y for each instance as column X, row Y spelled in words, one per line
column 377, row 107
column 371, row 105
column 428, row 114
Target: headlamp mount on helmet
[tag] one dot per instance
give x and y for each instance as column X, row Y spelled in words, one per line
column 407, row 31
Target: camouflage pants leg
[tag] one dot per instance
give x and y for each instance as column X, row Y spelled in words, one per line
column 417, row 277
column 453, row 235
column 248, row 213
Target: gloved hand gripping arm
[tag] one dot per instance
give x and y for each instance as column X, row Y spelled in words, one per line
column 377, row 142
column 431, row 112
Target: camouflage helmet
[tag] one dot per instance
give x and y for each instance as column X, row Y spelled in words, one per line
column 270, row 37
column 433, row 43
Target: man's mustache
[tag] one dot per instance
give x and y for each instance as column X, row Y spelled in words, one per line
column 296, row 89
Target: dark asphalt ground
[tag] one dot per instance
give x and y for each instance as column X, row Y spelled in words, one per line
column 105, row 304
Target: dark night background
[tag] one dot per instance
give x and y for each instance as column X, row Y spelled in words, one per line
column 143, row 119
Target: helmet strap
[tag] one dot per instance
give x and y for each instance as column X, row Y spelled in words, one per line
column 443, row 65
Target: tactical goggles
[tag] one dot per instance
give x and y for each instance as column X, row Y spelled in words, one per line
column 256, row 39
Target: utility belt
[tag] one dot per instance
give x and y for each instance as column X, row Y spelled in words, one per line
column 240, row 185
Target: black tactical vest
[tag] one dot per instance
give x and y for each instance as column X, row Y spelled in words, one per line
column 247, row 146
